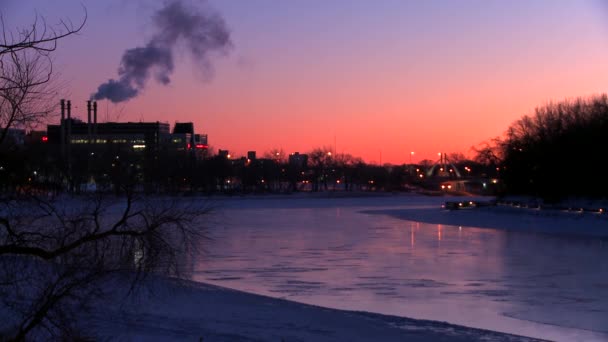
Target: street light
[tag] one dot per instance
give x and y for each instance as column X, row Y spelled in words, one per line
column 411, row 154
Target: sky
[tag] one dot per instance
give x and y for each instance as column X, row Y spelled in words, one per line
column 375, row 79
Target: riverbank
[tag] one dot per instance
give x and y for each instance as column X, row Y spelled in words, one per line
column 177, row 310
column 573, row 218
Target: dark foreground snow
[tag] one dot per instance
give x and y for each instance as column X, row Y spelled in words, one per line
column 176, row 310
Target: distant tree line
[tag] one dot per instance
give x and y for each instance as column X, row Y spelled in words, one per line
column 40, row 168
column 556, row 152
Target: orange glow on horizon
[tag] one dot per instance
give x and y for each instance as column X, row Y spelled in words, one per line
column 384, row 81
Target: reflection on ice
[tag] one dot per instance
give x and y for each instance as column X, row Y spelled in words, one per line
column 330, row 253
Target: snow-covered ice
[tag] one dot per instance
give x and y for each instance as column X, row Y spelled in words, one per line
column 175, row 310
column 532, row 273
column 296, row 268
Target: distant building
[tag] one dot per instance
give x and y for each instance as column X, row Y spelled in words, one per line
column 201, row 139
column 183, row 133
column 183, row 127
column 36, row 137
column 251, row 155
column 298, row 160
column 139, row 135
column 148, row 136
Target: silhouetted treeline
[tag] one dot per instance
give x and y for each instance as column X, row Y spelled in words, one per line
column 41, row 167
column 558, row 151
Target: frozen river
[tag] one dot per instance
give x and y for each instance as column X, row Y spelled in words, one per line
column 343, row 253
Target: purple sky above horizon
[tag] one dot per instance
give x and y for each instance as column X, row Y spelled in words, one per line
column 379, row 79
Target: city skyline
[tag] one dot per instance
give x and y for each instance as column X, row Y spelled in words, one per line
column 377, row 80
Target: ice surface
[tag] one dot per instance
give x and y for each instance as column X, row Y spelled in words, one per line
column 533, row 274
column 367, row 254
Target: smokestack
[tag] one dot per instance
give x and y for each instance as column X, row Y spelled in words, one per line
column 69, row 139
column 95, row 120
column 69, row 122
column 62, row 127
column 62, row 103
column 89, row 121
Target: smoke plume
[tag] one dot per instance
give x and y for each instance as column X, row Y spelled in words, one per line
column 200, row 30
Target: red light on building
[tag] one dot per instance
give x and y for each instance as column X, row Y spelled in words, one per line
column 45, row 138
column 189, row 146
column 201, row 146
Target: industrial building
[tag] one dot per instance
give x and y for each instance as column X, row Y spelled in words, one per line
column 138, row 136
column 111, row 154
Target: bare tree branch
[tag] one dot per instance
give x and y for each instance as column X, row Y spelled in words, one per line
column 26, row 69
column 39, row 37
column 70, row 246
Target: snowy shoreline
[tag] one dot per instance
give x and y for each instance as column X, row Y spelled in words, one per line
column 550, row 221
column 179, row 310
column 504, row 217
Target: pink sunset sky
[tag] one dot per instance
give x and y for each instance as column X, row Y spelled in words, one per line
column 379, row 79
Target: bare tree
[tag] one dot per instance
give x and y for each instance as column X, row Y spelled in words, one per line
column 550, row 152
column 344, row 164
column 456, row 157
column 276, row 154
column 26, row 71
column 320, row 160
column 24, row 96
column 56, row 258
column 488, row 153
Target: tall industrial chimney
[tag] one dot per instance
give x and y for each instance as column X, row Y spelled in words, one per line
column 89, row 121
column 62, row 103
column 69, row 140
column 62, row 127
column 95, row 120
column 69, row 123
